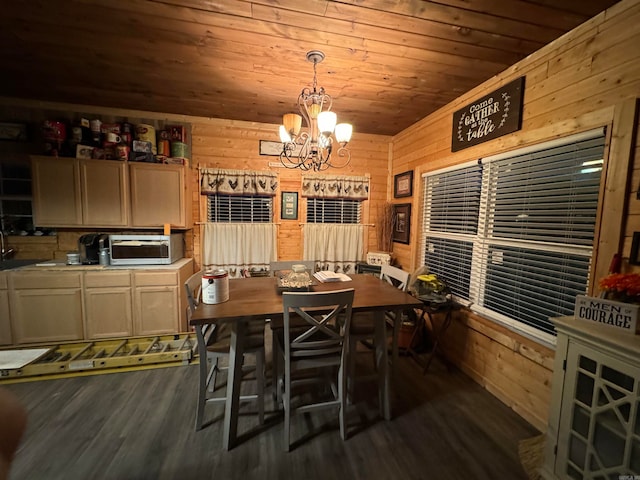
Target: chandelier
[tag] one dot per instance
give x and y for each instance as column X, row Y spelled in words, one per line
column 313, row 149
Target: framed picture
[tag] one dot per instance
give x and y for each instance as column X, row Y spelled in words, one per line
column 403, row 184
column 401, row 222
column 274, row 149
column 289, row 207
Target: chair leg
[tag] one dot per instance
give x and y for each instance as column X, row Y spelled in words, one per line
column 274, row 365
column 351, row 360
column 213, row 376
column 342, row 395
column 287, row 410
column 202, row 391
column 260, row 360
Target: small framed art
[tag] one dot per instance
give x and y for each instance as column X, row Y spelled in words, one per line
column 401, row 222
column 403, row 184
column 289, row 207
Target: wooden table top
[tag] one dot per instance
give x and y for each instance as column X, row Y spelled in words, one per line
column 257, row 297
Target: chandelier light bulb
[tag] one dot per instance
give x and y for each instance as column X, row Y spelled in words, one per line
column 343, row 132
column 327, row 122
column 284, row 135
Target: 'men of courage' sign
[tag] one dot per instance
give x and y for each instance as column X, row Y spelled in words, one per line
column 623, row 316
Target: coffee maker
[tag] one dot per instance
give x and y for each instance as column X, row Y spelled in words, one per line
column 89, row 246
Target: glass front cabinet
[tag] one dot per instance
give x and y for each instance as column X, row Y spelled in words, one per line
column 594, row 421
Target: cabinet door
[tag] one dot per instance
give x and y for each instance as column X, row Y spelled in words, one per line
column 108, row 312
column 5, row 323
column 601, row 399
column 56, row 192
column 46, row 315
column 156, row 310
column 158, row 195
column 104, row 193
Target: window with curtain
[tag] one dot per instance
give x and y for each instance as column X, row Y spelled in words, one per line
column 334, row 234
column 239, row 235
column 514, row 236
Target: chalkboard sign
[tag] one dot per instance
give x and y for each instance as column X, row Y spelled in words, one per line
column 490, row 117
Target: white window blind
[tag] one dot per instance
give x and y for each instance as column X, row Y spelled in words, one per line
column 239, row 208
column 330, row 210
column 451, row 204
column 531, row 252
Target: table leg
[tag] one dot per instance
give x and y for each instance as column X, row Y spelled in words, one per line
column 382, row 364
column 234, row 380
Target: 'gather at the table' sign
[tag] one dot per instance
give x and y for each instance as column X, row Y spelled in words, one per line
column 490, row 117
column 623, row 316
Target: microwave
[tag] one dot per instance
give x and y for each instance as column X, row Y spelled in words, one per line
column 145, row 249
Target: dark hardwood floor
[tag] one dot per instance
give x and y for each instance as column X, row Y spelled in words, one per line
column 139, row 425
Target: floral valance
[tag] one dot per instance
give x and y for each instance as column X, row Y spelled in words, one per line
column 335, row 186
column 238, row 182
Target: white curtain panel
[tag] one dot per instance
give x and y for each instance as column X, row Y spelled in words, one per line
column 335, row 247
column 239, row 248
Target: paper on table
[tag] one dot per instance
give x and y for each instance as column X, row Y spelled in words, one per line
column 10, row 359
column 329, row 276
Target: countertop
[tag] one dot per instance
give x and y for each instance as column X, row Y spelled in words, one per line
column 58, row 265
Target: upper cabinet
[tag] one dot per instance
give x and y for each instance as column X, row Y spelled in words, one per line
column 158, row 195
column 104, row 192
column 70, row 192
column 56, row 192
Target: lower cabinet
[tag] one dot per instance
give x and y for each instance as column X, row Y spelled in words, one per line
column 5, row 322
column 594, row 422
column 61, row 306
column 156, row 303
column 108, row 305
column 46, row 307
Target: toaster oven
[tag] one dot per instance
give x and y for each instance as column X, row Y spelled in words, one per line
column 145, row 249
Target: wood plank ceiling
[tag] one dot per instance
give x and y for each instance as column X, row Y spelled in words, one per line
column 388, row 63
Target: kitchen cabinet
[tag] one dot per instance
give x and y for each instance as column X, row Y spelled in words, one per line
column 56, row 192
column 159, row 195
column 594, row 422
column 108, row 304
column 104, row 193
column 60, row 303
column 5, row 323
column 70, row 192
column 46, row 306
column 156, row 303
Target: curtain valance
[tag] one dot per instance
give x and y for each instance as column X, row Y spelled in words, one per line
column 335, row 186
column 238, row 182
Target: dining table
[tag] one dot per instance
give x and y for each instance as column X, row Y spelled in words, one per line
column 260, row 298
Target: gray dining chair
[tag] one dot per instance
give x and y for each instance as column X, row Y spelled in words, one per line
column 314, row 350
column 275, row 324
column 214, row 343
column 363, row 326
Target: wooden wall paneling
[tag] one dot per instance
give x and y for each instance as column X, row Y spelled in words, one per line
column 589, row 78
column 610, row 231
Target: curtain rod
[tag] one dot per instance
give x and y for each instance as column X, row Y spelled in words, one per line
column 363, row 224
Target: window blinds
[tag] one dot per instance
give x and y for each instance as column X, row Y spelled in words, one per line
column 239, row 209
column 328, row 210
column 514, row 236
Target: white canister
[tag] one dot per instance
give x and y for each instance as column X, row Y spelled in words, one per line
column 215, row 286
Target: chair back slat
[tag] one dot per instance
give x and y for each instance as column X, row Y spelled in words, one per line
column 275, row 267
column 323, row 335
column 395, row 276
